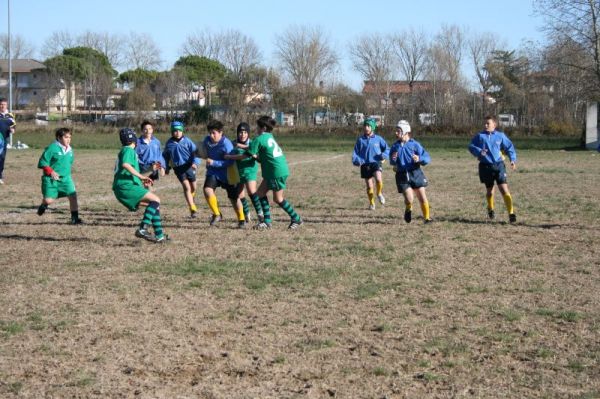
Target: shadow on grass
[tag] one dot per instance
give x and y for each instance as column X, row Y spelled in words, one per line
column 520, row 224
column 42, row 238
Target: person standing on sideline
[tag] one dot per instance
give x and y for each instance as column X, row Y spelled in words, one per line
column 489, row 147
column 56, row 162
column 369, row 153
column 7, row 127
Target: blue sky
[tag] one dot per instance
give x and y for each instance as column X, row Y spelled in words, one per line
column 169, row 22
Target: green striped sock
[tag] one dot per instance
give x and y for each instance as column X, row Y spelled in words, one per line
column 256, row 202
column 148, row 216
column 289, row 209
column 246, row 207
column 156, row 223
column 264, row 202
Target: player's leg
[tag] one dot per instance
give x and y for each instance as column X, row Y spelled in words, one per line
column 279, row 199
column 508, row 201
column 408, row 195
column 422, row 196
column 378, row 176
column 186, row 185
column 151, row 217
column 261, row 192
column 46, row 201
column 74, row 207
column 370, row 193
column 234, row 191
column 251, row 188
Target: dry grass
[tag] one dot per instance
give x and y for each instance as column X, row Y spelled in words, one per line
column 354, row 304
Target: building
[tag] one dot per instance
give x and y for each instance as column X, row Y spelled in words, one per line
column 394, row 94
column 31, row 86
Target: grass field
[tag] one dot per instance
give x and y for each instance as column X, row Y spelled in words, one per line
column 355, row 304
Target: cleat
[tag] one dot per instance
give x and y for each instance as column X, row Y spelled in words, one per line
column 242, row 224
column 427, row 221
column 512, row 218
column 76, row 221
column 295, row 224
column 407, row 216
column 491, row 214
column 262, row 226
column 381, row 199
column 193, row 214
column 41, row 209
column 372, row 207
column 1, row 181
column 260, row 217
column 214, row 220
column 145, row 234
column 162, row 240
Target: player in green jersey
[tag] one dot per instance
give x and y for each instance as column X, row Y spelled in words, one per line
column 247, row 168
column 131, row 189
column 274, row 170
column 56, row 162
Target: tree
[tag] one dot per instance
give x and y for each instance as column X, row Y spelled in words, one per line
column 480, row 47
column 111, row 45
column 138, row 77
column 200, row 71
column 371, row 56
column 507, row 75
column 306, row 56
column 20, row 48
column 65, row 71
column 410, row 48
column 56, row 43
column 575, row 24
column 141, row 52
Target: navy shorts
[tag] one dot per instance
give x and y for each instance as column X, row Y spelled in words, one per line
column 410, row 179
column 367, row 170
column 233, row 190
column 185, row 172
column 490, row 173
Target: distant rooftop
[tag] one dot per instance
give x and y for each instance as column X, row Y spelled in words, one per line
column 21, row 65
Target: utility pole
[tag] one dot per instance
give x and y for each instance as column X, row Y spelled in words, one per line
column 10, row 105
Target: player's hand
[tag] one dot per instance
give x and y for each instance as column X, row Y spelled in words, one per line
column 513, row 166
column 156, row 166
column 394, row 156
column 54, row 176
column 484, row 152
column 148, row 182
column 415, row 158
column 209, row 161
column 194, row 166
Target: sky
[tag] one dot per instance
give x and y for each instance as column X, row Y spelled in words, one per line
column 170, row 22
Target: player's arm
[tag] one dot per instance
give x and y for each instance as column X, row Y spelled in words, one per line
column 357, row 160
column 475, row 149
column 44, row 165
column 423, row 156
column 128, row 167
column 508, row 147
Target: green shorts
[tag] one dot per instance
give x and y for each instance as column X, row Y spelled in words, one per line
column 130, row 195
column 247, row 175
column 276, row 183
column 57, row 188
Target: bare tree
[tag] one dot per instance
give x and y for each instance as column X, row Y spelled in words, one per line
column 203, row 44
column 371, row 56
column 141, row 52
column 306, row 56
column 20, row 48
column 111, row 45
column 575, row 23
column 56, row 43
column 410, row 48
column 480, row 47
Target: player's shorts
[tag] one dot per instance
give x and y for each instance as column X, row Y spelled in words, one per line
column 490, row 173
column 276, row 183
column 367, row 170
column 233, row 190
column 185, row 172
column 130, row 195
column 57, row 188
column 248, row 174
column 410, row 179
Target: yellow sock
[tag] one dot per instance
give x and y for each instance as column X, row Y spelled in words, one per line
column 425, row 209
column 240, row 214
column 213, row 204
column 509, row 203
column 490, row 202
column 408, row 207
column 379, row 185
column 371, row 196
column 193, row 208
column 193, row 194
